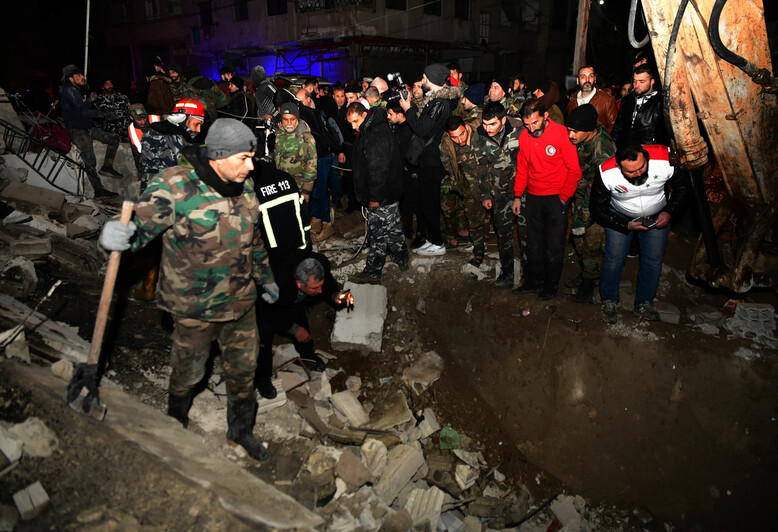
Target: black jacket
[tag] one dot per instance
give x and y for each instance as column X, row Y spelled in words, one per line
column 649, row 125
column 377, row 163
column 403, row 134
column 428, row 122
column 326, row 139
column 287, row 219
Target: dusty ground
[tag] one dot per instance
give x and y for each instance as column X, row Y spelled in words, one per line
column 656, row 418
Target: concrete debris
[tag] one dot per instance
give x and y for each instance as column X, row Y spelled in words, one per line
column 351, row 469
column 321, row 389
column 9, row 517
column 341, row 487
column 755, row 321
column 474, row 460
column 397, row 522
column 390, row 413
column 668, row 312
column 488, row 507
column 266, row 405
column 290, row 379
column 465, row 476
column 63, row 369
column 424, row 371
column 31, row 501
column 374, row 456
column 499, row 477
column 493, row 491
column 83, row 225
column 37, row 198
column 31, row 247
column 322, row 459
column 39, row 440
column 18, row 175
column 707, row 328
column 424, row 507
column 354, row 385
column 402, row 463
column 350, row 407
column 11, row 445
column 564, row 508
column 284, row 353
column 472, row 524
column 476, row 273
column 18, row 277
column 449, row 522
column 427, row 426
column 422, row 264
column 104, row 518
column 46, row 225
column 366, row 520
column 18, row 348
column 362, row 328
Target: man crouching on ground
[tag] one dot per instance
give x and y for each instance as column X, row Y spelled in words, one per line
column 206, row 212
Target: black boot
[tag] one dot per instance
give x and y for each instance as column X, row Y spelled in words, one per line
column 585, row 293
column 240, row 425
column 178, row 407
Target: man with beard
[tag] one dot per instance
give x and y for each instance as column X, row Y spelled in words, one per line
column 594, row 147
column 640, row 119
column 427, row 123
column 607, row 110
column 205, row 212
column 547, row 168
column 295, row 150
column 176, row 81
column 472, row 105
column 115, row 107
column 241, row 106
column 629, row 198
column 78, row 115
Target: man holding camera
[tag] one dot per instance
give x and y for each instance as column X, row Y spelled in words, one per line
column 629, row 199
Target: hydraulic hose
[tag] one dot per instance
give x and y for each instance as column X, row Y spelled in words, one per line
column 762, row 76
column 631, row 27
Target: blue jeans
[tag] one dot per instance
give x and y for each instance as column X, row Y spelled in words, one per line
column 336, row 181
column 652, row 251
column 320, row 199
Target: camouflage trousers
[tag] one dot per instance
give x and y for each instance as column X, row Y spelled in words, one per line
column 589, row 248
column 82, row 138
column 464, row 213
column 385, row 233
column 502, row 217
column 239, row 344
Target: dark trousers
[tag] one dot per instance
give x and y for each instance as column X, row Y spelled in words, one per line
column 83, row 141
column 430, row 178
column 269, row 320
column 546, row 235
column 409, row 204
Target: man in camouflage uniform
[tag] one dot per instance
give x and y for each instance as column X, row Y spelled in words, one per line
column 295, row 150
column 115, row 107
column 459, row 157
column 498, row 92
column 207, row 91
column 206, row 212
column 498, row 148
column 472, row 105
column 595, row 146
column 176, row 81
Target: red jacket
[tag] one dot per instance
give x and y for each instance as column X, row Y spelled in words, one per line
column 547, row 165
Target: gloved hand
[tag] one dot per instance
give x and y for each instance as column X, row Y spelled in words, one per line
column 271, row 292
column 115, row 236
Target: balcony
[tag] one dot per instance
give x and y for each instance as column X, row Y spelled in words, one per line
column 307, row 6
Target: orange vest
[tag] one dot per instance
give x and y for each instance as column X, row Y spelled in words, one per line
column 137, row 134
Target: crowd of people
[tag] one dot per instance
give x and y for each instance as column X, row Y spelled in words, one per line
column 241, row 178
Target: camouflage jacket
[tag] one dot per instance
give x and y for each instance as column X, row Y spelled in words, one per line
column 177, row 88
column 295, row 154
column 473, row 117
column 208, row 92
column 160, row 147
column 213, row 252
column 497, row 161
column 590, row 156
column 461, row 163
column 116, row 109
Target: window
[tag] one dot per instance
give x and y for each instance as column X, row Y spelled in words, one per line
column 241, row 9
column 432, row 7
column 462, row 9
column 400, row 5
column 483, row 28
column 174, row 8
column 152, row 9
column 206, row 14
column 276, row 7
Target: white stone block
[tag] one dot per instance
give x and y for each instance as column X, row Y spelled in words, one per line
column 362, row 328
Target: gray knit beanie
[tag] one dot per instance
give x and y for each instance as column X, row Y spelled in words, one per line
column 228, row 136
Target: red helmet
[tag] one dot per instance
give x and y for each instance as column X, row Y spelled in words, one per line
column 191, row 107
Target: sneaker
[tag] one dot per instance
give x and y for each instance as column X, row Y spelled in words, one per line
column 17, row 217
column 266, row 389
column 504, row 280
column 527, row 288
column 110, row 172
column 364, row 277
column 105, row 194
column 610, row 311
column 647, row 312
column 432, row 250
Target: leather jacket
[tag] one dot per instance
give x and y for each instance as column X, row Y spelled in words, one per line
column 649, row 124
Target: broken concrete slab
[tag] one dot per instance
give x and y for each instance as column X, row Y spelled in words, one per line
column 402, row 463
column 44, row 224
column 362, row 328
column 397, row 522
column 31, row 501
column 31, row 247
column 266, row 405
column 83, row 225
column 451, row 523
column 374, row 456
column 18, row 277
column 237, row 489
column 424, row 507
column 668, row 312
column 351, row 469
column 476, row 273
column 354, row 384
column 564, row 509
column 488, row 507
column 322, row 459
column 472, row 524
column 425, row 371
column 391, row 412
column 11, row 445
column 34, row 197
column 465, row 476
column 39, row 440
column 350, row 407
column 19, row 348
column 429, row 425
column 474, row 460
column 423, row 264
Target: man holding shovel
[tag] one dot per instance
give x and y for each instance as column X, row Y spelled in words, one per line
column 206, row 212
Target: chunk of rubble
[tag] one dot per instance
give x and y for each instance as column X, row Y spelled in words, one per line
column 63, row 369
column 362, row 328
column 424, row 507
column 465, row 476
column 11, row 445
column 351, row 469
column 322, row 459
column 425, row 371
column 402, row 463
column 266, row 405
column 18, row 277
column 350, row 407
column 39, row 440
column 36, row 197
column 451, row 523
column 427, row 426
column 9, row 517
column 354, row 385
column 31, row 247
column 488, row 507
column 476, row 273
column 397, row 522
column 474, row 460
column 31, row 501
column 668, row 312
column 390, row 413
column 564, row 508
column 374, row 456
column 18, row 347
column 321, row 389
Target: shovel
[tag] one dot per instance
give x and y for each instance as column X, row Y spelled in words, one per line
column 82, row 394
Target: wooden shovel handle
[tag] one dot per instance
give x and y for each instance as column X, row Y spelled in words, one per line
column 107, row 294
